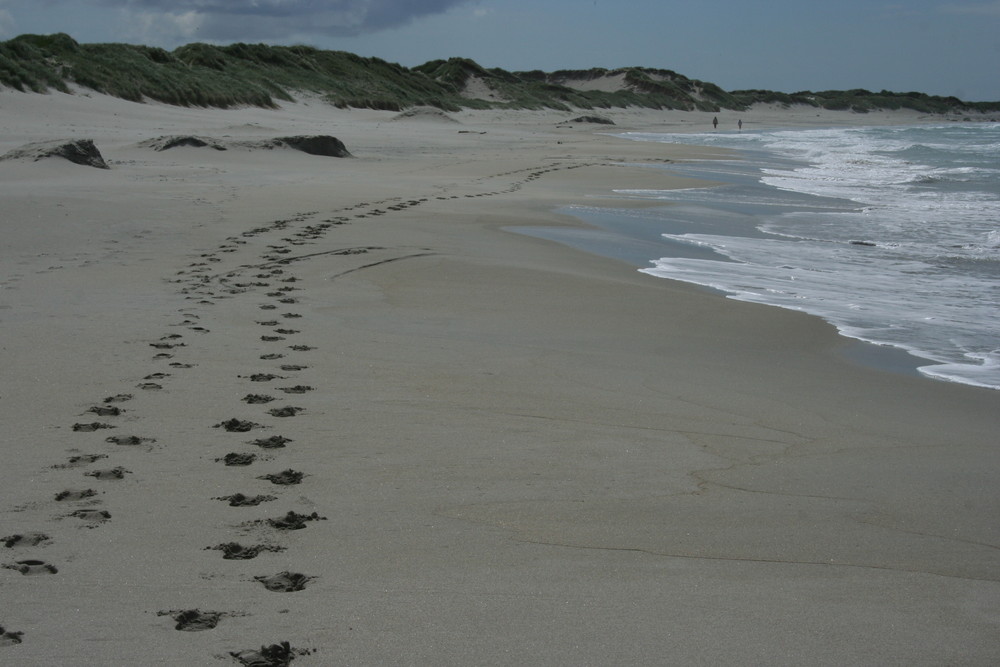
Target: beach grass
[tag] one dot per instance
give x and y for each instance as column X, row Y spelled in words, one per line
column 225, row 76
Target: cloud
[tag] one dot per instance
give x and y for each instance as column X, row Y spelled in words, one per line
column 6, row 23
column 275, row 19
column 991, row 9
column 161, row 27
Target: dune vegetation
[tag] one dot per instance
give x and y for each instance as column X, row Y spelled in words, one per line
column 207, row 75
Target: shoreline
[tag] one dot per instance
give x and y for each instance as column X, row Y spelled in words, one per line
column 884, row 358
column 565, row 460
column 632, row 234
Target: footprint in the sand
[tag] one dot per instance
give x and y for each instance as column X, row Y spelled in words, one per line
column 297, row 389
column 167, row 346
column 301, row 348
column 271, row 339
column 293, row 367
column 118, row 398
column 32, row 567
column 258, row 398
column 236, row 551
column 106, row 410
column 263, row 377
column 149, row 386
column 238, row 459
column 128, row 440
column 240, row 500
column 109, row 473
column 275, row 655
column 25, row 540
column 285, row 582
column 75, row 494
column 287, row 411
column 9, row 637
column 80, row 460
column 284, row 478
column 193, row 620
column 237, row 425
column 92, row 517
column 93, row 426
column 274, row 442
column 291, row 521
column 271, row 356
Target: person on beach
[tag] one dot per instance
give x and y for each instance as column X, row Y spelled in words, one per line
column 715, row 123
column 740, row 124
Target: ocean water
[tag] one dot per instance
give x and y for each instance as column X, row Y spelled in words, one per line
column 892, row 234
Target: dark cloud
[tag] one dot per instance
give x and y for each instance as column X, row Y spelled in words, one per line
column 274, row 19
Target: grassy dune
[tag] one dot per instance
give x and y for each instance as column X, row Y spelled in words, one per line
column 207, row 75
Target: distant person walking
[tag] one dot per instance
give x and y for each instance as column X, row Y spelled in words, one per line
column 715, row 123
column 740, row 124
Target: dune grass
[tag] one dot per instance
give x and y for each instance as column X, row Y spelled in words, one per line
column 207, row 75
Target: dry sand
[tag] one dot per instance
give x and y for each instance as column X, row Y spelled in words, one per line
column 512, row 452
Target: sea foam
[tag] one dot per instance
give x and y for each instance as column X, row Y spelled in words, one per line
column 892, row 234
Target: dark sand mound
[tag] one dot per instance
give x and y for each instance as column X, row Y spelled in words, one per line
column 166, row 143
column 320, row 144
column 77, row 151
column 597, row 120
column 425, row 113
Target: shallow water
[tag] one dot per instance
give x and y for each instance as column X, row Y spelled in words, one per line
column 892, row 234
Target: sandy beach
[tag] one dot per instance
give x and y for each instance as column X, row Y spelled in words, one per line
column 254, row 396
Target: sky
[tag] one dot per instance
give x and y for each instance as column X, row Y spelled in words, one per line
column 939, row 47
